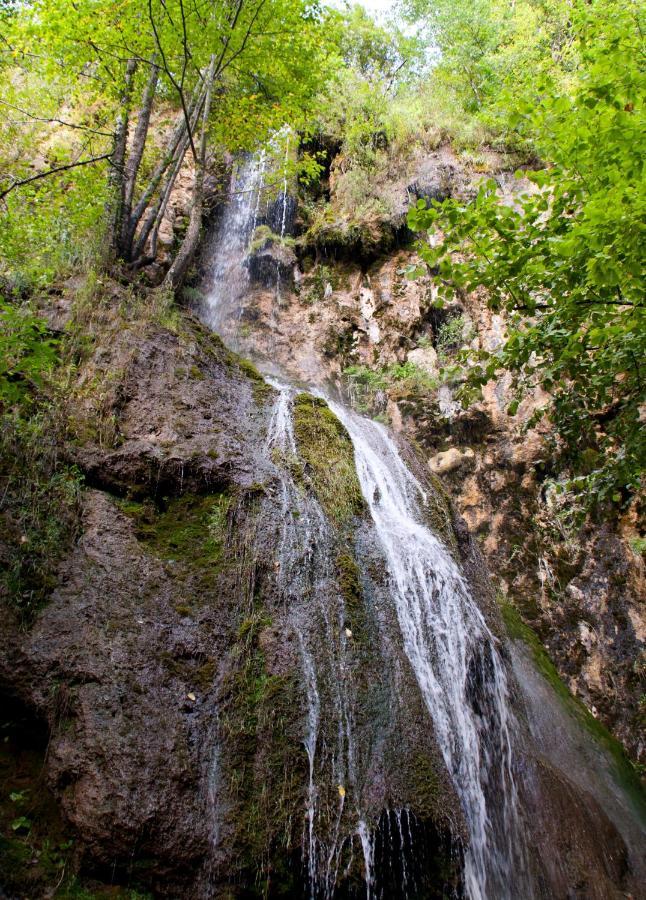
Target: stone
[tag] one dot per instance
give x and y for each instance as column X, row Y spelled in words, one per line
column 450, row 460
column 425, row 358
column 270, row 262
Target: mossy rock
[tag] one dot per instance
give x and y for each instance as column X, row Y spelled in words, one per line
column 327, row 451
column 625, row 772
column 366, row 238
column 425, row 785
column 349, row 580
column 41, row 511
column 266, row 765
column 190, row 530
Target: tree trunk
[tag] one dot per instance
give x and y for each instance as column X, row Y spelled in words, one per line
column 116, row 178
column 137, row 150
column 177, row 271
column 150, row 225
column 141, row 206
column 153, row 217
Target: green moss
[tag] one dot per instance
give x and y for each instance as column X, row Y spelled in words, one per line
column 624, row 770
column 424, row 785
column 40, row 511
column 249, row 370
column 190, row 528
column 348, row 575
column 192, row 672
column 261, row 722
column 191, row 534
column 264, row 237
column 367, row 236
column 260, row 387
column 327, row 451
column 90, row 889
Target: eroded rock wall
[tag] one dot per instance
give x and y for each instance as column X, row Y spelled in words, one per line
column 166, row 665
column 353, row 317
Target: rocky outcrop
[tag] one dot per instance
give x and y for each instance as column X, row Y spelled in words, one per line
column 357, row 319
column 126, row 659
column 272, row 263
column 166, row 664
column 216, row 568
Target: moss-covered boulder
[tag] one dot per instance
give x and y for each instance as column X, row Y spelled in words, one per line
column 326, row 448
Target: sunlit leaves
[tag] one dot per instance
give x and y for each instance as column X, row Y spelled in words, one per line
column 26, row 352
column 566, row 263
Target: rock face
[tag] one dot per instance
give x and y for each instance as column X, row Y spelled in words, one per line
column 167, row 664
column 451, row 460
column 125, row 661
column 224, row 560
column 353, row 313
column 272, row 264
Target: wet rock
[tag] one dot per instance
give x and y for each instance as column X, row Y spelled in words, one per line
column 122, row 750
column 272, row 263
column 165, row 434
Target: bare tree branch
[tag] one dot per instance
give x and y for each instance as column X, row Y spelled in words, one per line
column 178, row 87
column 177, row 271
column 56, row 121
column 137, row 150
column 242, row 47
column 53, row 171
column 156, row 212
column 176, row 138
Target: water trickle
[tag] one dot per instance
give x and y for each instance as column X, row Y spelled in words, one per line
column 283, row 219
column 306, row 582
column 449, row 646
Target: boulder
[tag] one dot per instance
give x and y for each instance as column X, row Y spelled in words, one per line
column 450, row 460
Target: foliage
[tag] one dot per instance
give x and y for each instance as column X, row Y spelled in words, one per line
column 26, row 352
column 369, row 109
column 450, row 336
column 39, row 509
column 565, row 263
column 369, row 388
column 63, row 108
column 490, row 55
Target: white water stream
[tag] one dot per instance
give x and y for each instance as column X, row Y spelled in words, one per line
column 304, row 559
column 451, row 650
column 453, row 655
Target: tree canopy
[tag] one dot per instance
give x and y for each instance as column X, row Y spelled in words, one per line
column 103, row 102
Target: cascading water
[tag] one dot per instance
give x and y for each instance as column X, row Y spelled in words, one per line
column 453, row 655
column 449, row 646
column 305, row 571
column 253, row 186
column 230, row 276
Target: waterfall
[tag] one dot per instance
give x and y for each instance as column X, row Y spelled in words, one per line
column 256, row 178
column 304, row 570
column 230, row 277
column 453, row 655
column 451, row 650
